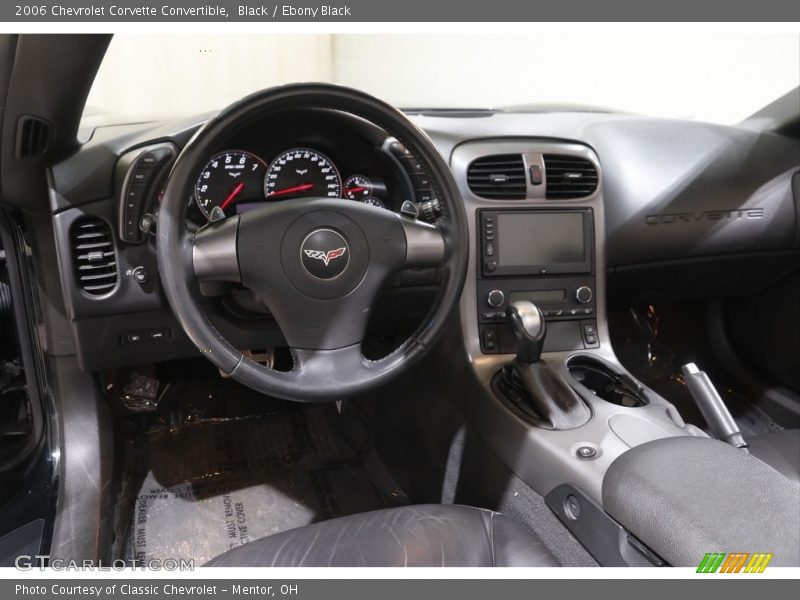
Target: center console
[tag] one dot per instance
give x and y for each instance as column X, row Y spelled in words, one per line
column 543, row 384
column 543, row 256
column 534, row 370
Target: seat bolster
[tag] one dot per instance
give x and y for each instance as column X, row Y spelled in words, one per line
column 515, row 546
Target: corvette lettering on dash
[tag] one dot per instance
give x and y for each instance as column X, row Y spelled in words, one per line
column 705, row 216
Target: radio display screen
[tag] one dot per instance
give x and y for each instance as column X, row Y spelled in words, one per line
column 540, row 238
column 540, row 296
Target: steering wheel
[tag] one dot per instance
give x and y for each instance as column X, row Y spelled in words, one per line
column 317, row 263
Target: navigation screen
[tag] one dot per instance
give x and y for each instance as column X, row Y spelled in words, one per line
column 537, row 238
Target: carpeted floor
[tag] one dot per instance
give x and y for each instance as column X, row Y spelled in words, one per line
column 209, row 484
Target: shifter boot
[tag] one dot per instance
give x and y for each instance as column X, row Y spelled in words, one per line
column 547, row 397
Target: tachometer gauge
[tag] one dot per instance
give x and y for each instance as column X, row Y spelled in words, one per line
column 357, row 187
column 373, row 201
column 302, row 172
column 230, row 178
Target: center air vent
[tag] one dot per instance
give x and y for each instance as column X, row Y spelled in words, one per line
column 569, row 176
column 501, row 176
column 93, row 256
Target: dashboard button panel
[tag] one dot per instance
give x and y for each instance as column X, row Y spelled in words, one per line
column 139, row 173
column 421, row 183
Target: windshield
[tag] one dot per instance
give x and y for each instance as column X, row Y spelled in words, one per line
column 722, row 78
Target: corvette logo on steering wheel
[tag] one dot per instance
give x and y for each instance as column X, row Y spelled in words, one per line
column 325, row 257
column 325, row 254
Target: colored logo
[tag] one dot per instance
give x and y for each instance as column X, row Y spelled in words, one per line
column 734, row 562
column 325, row 257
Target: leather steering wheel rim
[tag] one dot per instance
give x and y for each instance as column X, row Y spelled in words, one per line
column 324, row 371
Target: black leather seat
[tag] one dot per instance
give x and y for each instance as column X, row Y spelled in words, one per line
column 429, row 535
column 780, row 450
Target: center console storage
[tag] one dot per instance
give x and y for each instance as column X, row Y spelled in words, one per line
column 606, row 382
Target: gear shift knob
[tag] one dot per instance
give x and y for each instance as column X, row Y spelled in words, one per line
column 527, row 324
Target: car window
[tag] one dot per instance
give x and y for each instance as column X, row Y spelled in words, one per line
column 720, row 78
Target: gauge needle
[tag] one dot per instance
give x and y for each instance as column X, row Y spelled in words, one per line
column 297, row 188
column 239, row 187
column 355, row 190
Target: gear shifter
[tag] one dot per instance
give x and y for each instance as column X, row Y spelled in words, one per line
column 532, row 385
column 529, row 329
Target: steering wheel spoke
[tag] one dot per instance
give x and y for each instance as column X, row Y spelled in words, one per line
column 214, row 253
column 326, row 367
column 425, row 244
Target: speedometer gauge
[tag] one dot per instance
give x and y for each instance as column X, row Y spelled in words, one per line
column 302, row 172
column 230, row 178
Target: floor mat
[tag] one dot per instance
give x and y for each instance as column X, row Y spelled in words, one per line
column 200, row 488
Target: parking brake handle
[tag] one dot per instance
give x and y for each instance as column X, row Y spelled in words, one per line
column 712, row 407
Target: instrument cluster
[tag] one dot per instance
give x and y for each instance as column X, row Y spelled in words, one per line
column 237, row 181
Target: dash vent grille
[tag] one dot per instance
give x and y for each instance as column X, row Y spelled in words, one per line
column 94, row 257
column 501, row 176
column 33, row 137
column 569, row 176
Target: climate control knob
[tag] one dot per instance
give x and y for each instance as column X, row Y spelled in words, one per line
column 583, row 294
column 495, row 298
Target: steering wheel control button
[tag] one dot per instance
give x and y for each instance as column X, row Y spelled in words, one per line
column 583, row 294
column 495, row 298
column 216, row 214
column 325, row 254
column 409, row 209
column 586, row 452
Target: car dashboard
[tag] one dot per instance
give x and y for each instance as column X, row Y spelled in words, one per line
column 669, row 201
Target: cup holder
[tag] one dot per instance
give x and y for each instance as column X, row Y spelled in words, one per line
column 605, row 383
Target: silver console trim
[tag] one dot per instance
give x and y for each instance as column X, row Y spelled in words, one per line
column 545, row 459
column 462, row 156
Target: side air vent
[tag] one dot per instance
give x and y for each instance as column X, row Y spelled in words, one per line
column 33, row 137
column 569, row 176
column 501, row 176
column 93, row 256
